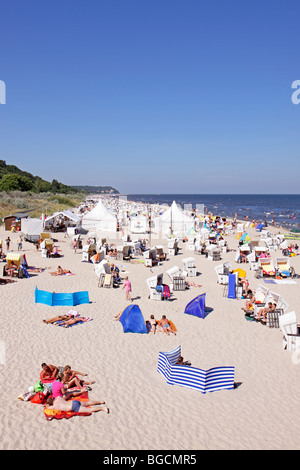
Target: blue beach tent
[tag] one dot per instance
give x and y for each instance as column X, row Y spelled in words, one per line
column 132, row 320
column 196, row 306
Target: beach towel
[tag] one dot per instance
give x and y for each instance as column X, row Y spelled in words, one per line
column 57, row 414
column 166, row 291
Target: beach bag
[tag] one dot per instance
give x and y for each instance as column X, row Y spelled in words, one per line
column 39, row 386
column 38, row 398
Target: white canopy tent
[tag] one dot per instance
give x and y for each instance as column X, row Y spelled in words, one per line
column 174, row 219
column 32, row 228
column 65, row 216
column 99, row 219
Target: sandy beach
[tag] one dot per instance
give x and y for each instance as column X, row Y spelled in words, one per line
column 145, row 412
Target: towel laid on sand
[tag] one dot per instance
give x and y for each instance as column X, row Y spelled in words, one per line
column 57, row 414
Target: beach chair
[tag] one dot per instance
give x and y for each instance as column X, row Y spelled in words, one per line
column 87, row 251
column 283, row 268
column 101, row 269
column 213, row 252
column 267, row 266
column 290, row 330
column 177, row 278
column 252, row 261
column 123, row 252
column 223, row 270
column 108, row 280
column 189, row 266
column 15, row 258
column 150, row 257
column 153, row 282
column 160, row 254
column 172, row 246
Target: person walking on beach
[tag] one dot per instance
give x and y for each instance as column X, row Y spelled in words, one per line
column 8, row 240
column 19, row 242
column 127, row 286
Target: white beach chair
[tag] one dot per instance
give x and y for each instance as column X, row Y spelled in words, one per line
column 290, row 330
column 152, row 282
column 267, row 266
column 189, row 266
column 283, row 267
column 123, row 252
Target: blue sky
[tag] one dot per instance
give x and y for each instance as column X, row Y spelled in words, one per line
column 151, row 96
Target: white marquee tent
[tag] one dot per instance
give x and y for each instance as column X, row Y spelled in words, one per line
column 174, row 219
column 99, row 218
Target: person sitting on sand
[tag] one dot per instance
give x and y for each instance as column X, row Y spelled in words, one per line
column 70, row 378
column 76, row 406
column 115, row 272
column 245, row 287
column 262, row 313
column 60, row 389
column 250, row 303
column 10, row 270
column 60, row 271
column 181, row 362
column 49, row 372
column 153, row 324
column 54, row 252
column 164, row 322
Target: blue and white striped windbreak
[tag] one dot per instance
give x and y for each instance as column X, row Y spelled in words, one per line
column 217, row 378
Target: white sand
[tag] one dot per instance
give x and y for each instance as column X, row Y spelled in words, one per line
column 145, row 412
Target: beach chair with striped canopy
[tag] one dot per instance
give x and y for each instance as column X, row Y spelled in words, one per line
column 217, row 378
column 283, row 267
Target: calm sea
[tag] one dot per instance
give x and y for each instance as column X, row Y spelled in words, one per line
column 284, row 209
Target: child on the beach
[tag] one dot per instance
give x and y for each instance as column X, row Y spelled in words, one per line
column 153, row 324
column 127, row 286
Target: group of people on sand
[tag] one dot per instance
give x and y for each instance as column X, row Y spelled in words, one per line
column 63, row 383
column 262, row 313
column 163, row 325
column 66, row 320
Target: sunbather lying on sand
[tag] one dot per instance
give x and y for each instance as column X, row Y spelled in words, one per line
column 72, row 321
column 59, row 318
column 60, row 271
column 192, row 284
column 77, row 406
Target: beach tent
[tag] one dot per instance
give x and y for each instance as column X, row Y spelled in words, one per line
column 175, row 219
column 196, row 306
column 99, row 219
column 32, row 228
column 66, row 217
column 54, row 299
column 132, row 320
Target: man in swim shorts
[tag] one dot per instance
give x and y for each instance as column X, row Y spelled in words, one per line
column 76, row 406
